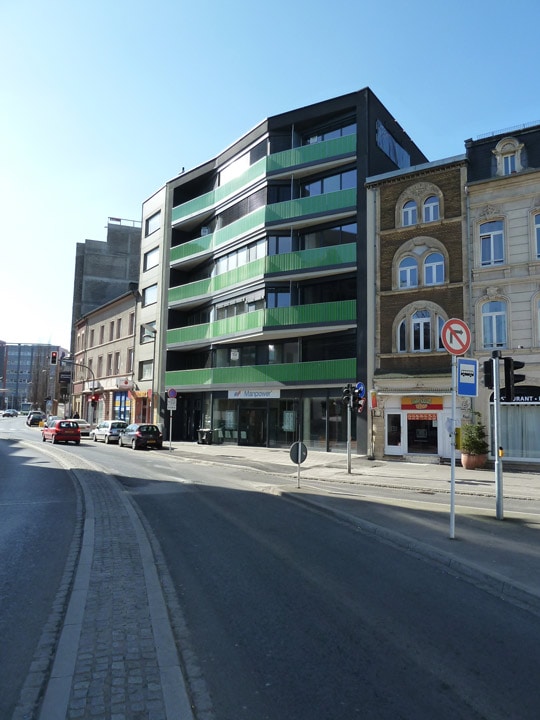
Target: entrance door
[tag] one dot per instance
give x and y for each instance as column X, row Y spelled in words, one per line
column 422, row 435
column 252, row 426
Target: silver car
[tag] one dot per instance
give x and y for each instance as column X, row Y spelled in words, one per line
column 108, row 431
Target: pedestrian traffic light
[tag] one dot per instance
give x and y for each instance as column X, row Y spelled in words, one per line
column 347, row 392
column 54, row 357
column 510, row 377
column 488, row 373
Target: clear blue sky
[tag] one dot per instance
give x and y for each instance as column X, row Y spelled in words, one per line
column 102, row 102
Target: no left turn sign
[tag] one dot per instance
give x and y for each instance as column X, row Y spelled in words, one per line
column 456, row 336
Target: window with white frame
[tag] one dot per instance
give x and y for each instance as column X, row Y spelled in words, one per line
column 494, row 324
column 537, row 233
column 420, row 331
column 408, row 272
column 152, row 223
column 510, row 156
column 509, row 163
column 491, row 243
column 149, row 295
column 129, row 360
column 434, row 269
column 409, row 213
column 151, row 259
column 431, row 209
column 146, row 370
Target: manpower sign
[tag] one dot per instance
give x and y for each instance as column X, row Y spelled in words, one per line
column 253, row 394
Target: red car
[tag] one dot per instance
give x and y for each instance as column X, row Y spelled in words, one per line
column 62, row 431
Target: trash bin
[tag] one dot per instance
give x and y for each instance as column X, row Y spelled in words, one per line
column 204, row 437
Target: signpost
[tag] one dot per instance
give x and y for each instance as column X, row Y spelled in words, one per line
column 298, row 454
column 456, row 338
column 171, row 405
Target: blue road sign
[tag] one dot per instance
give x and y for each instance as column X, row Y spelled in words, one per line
column 361, row 389
column 467, row 377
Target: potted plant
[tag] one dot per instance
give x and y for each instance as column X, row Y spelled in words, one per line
column 474, row 446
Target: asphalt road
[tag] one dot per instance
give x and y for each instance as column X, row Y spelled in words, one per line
column 37, row 522
column 291, row 613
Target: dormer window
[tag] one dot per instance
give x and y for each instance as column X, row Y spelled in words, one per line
column 510, row 156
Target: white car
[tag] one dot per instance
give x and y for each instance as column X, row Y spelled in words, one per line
column 108, row 431
column 84, row 426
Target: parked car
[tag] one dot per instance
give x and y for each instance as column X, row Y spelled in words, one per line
column 84, row 426
column 141, row 435
column 35, row 417
column 10, row 413
column 108, row 431
column 62, row 431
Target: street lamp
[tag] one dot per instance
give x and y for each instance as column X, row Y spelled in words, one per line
column 150, row 331
column 69, row 361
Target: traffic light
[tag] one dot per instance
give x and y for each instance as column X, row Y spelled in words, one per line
column 94, row 400
column 488, row 373
column 54, row 357
column 510, row 377
column 347, row 392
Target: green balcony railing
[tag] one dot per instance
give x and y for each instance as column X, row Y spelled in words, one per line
column 284, row 212
column 281, row 161
column 208, row 200
column 314, row 153
column 259, row 320
column 325, row 371
column 288, row 262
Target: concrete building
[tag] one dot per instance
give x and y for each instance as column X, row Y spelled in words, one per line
column 29, row 380
column 503, row 225
column 105, row 270
column 262, row 316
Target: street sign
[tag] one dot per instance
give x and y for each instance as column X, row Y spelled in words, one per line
column 467, row 377
column 171, row 393
column 361, row 389
column 298, row 452
column 171, row 404
column 456, row 336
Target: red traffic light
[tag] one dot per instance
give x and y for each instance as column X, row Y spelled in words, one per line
column 54, row 357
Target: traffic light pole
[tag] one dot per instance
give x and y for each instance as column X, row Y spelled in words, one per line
column 499, row 513
column 349, row 413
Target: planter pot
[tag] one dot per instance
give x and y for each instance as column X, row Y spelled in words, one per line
column 472, row 462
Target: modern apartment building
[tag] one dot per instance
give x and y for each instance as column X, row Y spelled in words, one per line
column 263, row 314
column 417, row 217
column 503, row 223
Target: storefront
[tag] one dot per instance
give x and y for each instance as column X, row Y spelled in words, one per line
column 267, row 418
column 520, row 421
column 414, row 425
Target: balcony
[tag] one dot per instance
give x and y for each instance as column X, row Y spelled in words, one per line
column 283, row 162
column 275, row 322
column 333, row 205
column 305, row 261
column 324, row 372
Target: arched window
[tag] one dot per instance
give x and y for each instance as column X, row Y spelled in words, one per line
column 409, row 213
column 408, row 272
column 419, row 329
column 434, row 269
column 431, row 209
column 494, row 324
